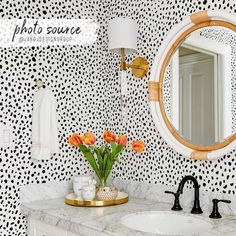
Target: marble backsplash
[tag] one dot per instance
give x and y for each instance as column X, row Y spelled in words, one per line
column 35, row 192
column 157, row 192
column 51, row 190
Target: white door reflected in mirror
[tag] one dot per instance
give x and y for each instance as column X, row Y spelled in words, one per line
column 199, row 86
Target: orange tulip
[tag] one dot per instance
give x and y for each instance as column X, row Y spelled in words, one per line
column 138, row 146
column 122, row 140
column 74, row 140
column 109, row 136
column 89, row 138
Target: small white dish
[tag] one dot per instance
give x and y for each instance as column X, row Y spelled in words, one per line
column 79, row 182
column 88, row 192
column 82, row 178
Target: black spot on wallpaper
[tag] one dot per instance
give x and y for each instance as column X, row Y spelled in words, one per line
column 159, row 163
column 85, row 82
column 74, row 74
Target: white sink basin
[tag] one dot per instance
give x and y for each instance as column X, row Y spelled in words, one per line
column 166, row 223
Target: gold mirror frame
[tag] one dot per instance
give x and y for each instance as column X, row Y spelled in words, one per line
column 194, row 22
column 162, row 74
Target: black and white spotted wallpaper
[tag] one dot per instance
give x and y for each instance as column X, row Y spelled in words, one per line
column 74, row 74
column 85, row 83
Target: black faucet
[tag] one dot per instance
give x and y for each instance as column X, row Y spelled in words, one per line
column 215, row 211
column 196, row 206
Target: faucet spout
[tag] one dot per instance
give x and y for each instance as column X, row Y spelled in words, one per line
column 196, row 207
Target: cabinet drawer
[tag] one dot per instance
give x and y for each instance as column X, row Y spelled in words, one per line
column 42, row 233
column 38, row 228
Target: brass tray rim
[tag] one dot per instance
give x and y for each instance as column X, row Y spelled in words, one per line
column 96, row 203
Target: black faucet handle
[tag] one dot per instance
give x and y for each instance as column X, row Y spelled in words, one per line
column 225, row 201
column 169, row 192
column 176, row 206
column 215, row 211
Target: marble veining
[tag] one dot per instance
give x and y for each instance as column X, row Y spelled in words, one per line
column 102, row 221
column 106, row 220
column 35, row 192
column 157, row 192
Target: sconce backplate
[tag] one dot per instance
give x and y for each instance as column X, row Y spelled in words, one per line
column 139, row 67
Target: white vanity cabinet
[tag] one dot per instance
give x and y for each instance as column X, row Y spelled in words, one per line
column 39, row 228
column 71, row 234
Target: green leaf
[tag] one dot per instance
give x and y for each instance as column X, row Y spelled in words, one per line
column 104, row 163
column 113, row 148
column 116, row 149
column 119, row 149
column 109, row 166
column 90, row 157
column 99, row 156
column 102, row 150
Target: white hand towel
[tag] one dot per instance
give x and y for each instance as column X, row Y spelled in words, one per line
column 44, row 125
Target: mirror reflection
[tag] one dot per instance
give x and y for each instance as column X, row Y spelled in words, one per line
column 199, row 86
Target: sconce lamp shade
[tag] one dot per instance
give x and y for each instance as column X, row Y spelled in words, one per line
column 122, row 33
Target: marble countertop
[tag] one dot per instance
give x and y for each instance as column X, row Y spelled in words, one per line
column 103, row 221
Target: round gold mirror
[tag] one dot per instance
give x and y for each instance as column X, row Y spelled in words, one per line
column 193, row 89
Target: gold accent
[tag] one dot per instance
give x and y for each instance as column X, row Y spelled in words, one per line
column 139, row 65
column 197, row 155
column 200, row 17
column 162, row 73
column 122, row 63
column 153, row 91
column 96, row 203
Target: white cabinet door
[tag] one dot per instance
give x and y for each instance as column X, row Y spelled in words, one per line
column 38, row 228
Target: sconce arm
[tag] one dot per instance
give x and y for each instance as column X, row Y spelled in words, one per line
column 139, row 65
column 122, row 63
column 133, row 66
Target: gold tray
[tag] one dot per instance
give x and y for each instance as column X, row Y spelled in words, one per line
column 70, row 199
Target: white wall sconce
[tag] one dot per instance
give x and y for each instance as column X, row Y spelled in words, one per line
column 122, row 35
